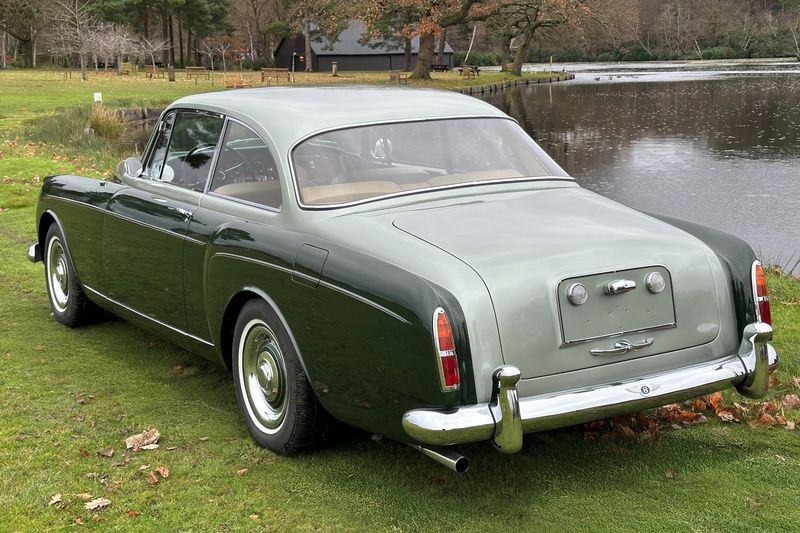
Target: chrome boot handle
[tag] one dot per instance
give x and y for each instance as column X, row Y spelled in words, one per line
column 623, row 347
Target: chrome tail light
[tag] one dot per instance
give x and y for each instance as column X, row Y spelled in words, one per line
column 446, row 350
column 760, row 294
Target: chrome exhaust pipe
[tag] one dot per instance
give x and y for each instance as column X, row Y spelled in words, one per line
column 446, row 456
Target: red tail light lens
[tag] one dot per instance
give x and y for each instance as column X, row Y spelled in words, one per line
column 761, row 295
column 446, row 348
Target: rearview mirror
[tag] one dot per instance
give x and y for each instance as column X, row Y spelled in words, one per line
column 132, row 167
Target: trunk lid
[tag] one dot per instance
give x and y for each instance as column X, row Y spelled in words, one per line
column 529, row 247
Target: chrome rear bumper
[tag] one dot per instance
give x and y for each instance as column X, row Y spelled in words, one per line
column 507, row 417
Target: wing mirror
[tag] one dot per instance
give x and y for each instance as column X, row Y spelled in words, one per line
column 131, row 167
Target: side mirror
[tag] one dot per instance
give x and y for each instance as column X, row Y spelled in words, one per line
column 131, row 167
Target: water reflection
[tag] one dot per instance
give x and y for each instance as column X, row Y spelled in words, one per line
column 722, row 151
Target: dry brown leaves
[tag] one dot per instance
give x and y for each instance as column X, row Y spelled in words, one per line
column 97, row 504
column 641, row 428
column 145, row 440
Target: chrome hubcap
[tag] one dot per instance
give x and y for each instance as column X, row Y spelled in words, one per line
column 57, row 274
column 263, row 375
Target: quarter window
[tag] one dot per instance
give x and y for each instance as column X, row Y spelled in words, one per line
column 153, row 169
column 246, row 169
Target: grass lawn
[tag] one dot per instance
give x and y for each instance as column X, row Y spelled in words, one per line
column 69, row 394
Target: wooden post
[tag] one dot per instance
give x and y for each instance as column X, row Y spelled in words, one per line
column 171, row 72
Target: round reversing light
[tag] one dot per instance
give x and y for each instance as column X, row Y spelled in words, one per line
column 577, row 294
column 655, row 282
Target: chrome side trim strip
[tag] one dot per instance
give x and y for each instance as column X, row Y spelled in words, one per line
column 501, row 419
column 322, row 283
column 127, row 218
column 134, row 311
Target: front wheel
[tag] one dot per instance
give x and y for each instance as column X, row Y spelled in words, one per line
column 277, row 403
column 69, row 303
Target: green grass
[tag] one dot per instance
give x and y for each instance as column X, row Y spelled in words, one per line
column 707, row 477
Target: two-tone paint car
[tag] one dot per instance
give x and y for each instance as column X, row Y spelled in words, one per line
column 406, row 261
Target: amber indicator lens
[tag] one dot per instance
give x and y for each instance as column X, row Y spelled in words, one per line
column 762, row 297
column 448, row 362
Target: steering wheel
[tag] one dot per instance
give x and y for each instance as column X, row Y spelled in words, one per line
column 239, row 169
column 187, row 167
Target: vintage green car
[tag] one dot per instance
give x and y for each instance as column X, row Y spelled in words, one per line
column 405, row 261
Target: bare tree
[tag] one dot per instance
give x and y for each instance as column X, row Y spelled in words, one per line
column 77, row 21
column 25, row 20
column 149, row 47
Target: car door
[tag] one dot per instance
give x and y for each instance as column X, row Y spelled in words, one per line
column 145, row 225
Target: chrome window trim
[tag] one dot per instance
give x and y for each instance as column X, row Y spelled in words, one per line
column 296, row 185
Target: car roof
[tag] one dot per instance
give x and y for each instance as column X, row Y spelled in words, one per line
column 289, row 114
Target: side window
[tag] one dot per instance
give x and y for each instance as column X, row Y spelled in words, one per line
column 153, row 169
column 191, row 149
column 246, row 169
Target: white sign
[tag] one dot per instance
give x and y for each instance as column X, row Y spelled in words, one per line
column 98, row 97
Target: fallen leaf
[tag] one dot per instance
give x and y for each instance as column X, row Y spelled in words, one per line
column 149, row 447
column 90, row 475
column 145, row 438
column 790, row 425
column 796, row 381
column 171, row 448
column 203, row 439
column 671, row 474
column 163, row 471
column 792, row 401
column 84, row 452
column 106, row 453
column 151, row 478
column 56, row 498
column 121, row 463
column 241, row 472
column 85, row 496
column 727, row 415
column 78, row 520
column 80, row 399
column 144, row 467
column 765, row 420
column 253, row 517
column 99, row 503
column 700, row 405
column 715, row 401
column 131, row 512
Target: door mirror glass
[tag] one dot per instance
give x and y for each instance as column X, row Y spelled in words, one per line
column 132, row 167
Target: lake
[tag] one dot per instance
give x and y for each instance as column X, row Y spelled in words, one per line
column 716, row 143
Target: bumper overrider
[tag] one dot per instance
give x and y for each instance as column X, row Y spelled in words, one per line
column 507, row 417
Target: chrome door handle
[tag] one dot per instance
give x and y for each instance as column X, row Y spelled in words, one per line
column 186, row 214
column 623, row 347
column 619, row 286
column 159, row 199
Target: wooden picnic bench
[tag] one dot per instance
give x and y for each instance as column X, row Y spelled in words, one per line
column 127, row 69
column 395, row 77
column 440, row 68
column 234, row 80
column 153, row 70
column 197, row 71
column 267, row 74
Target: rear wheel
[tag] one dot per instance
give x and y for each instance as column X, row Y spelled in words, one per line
column 277, row 403
column 69, row 303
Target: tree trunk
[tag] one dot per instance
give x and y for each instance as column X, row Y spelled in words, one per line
column 165, row 33
column 82, row 57
column 171, row 41
column 3, row 52
column 407, row 55
column 440, row 51
column 422, row 70
column 180, row 42
column 522, row 52
column 307, row 35
column 33, row 49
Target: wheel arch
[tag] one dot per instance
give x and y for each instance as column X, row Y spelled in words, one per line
column 232, row 310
